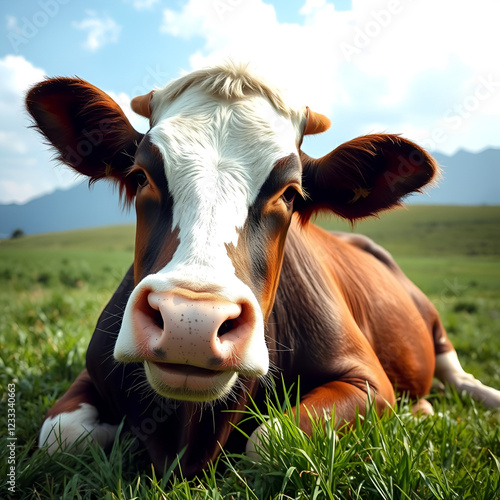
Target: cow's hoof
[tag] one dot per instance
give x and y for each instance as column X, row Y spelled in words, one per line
column 422, row 408
column 257, row 444
column 73, row 431
column 450, row 371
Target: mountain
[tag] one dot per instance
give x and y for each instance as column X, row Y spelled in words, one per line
column 74, row 208
column 468, row 179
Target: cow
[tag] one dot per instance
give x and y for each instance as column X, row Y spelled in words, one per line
column 232, row 285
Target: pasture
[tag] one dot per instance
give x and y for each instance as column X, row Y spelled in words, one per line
column 53, row 287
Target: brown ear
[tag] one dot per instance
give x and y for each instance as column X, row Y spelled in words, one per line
column 363, row 176
column 316, row 123
column 87, row 128
column 142, row 104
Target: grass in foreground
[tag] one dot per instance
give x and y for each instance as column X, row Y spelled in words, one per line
column 451, row 455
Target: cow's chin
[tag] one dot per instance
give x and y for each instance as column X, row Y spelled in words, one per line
column 189, row 383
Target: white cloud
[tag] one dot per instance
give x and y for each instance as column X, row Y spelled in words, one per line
column 19, row 192
column 100, row 30
column 17, row 76
column 26, row 168
column 406, row 66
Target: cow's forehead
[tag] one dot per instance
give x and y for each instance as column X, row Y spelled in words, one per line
column 201, row 119
column 217, row 156
column 213, row 141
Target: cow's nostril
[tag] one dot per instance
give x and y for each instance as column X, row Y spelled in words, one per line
column 227, row 326
column 147, row 312
column 157, row 319
column 242, row 320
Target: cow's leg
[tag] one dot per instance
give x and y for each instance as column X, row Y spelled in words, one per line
column 346, row 399
column 75, row 417
column 342, row 397
column 450, row 371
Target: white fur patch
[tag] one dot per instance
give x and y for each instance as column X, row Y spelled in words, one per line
column 217, row 156
column 59, row 433
column 449, row 370
column 257, row 443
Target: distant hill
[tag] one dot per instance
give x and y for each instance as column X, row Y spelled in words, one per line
column 468, row 179
column 75, row 208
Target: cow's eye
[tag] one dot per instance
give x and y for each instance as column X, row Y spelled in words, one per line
column 289, row 195
column 139, row 178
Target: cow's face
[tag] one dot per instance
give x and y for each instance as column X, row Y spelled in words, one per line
column 215, row 182
column 215, row 186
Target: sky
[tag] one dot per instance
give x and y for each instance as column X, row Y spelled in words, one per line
column 427, row 69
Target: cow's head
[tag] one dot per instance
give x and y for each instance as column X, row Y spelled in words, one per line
column 216, row 181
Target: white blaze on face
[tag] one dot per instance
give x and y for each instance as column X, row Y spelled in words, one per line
column 217, row 156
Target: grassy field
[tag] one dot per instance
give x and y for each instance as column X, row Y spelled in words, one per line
column 53, row 287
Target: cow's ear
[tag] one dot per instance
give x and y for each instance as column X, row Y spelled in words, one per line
column 363, row 176
column 87, row 128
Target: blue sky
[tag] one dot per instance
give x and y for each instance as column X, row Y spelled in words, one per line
column 426, row 69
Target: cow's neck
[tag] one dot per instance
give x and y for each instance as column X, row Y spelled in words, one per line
column 307, row 317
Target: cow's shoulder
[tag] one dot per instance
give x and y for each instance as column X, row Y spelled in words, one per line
column 366, row 244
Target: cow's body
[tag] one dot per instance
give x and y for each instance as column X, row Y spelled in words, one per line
column 230, row 277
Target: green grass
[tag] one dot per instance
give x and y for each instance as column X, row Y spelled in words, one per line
column 103, row 239
column 53, row 287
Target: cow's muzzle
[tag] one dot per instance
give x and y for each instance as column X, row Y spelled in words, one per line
column 193, row 344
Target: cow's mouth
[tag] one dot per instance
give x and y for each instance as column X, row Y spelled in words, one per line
column 188, row 382
column 188, row 370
